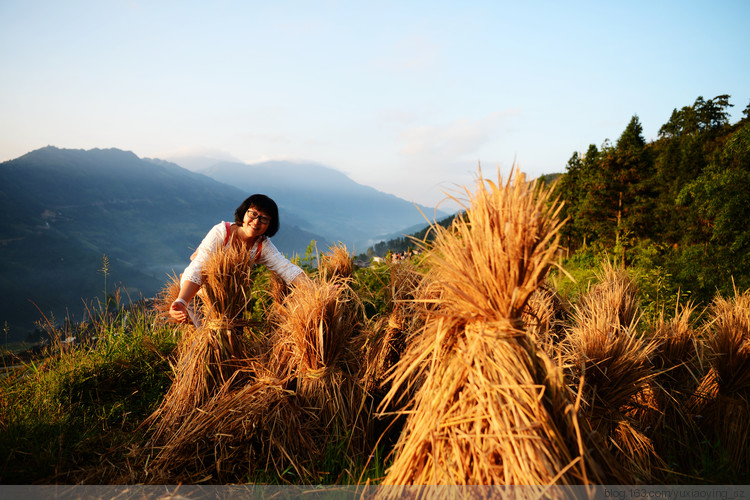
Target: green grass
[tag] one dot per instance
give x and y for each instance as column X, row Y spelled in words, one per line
column 61, row 413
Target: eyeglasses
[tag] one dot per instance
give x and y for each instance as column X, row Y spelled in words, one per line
column 256, row 216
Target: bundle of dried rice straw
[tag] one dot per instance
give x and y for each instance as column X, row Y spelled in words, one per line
column 678, row 365
column 317, row 341
column 491, row 407
column 209, row 355
column 723, row 397
column 612, row 364
column 391, row 332
column 336, row 262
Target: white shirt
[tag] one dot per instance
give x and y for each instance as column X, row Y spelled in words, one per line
column 269, row 257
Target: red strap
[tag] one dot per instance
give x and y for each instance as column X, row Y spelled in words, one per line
column 229, row 231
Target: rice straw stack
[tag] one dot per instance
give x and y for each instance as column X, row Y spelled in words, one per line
column 317, row 342
column 491, row 407
column 209, row 355
column 677, row 365
column 226, row 294
column 336, row 262
column 391, row 333
column 404, row 317
column 495, row 257
column 677, row 353
column 239, row 431
column 726, row 388
column 545, row 318
column 612, row 365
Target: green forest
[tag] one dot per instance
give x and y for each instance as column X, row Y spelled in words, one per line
column 674, row 208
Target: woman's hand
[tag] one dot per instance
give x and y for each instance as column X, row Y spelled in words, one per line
column 178, row 311
column 302, row 280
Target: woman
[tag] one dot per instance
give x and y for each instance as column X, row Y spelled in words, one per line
column 255, row 220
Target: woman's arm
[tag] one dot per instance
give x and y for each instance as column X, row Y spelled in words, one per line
column 277, row 263
column 178, row 310
column 211, row 242
column 191, row 279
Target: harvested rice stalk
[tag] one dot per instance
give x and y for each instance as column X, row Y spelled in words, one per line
column 313, row 327
column 493, row 259
column 492, row 408
column 226, row 295
column 726, row 390
column 317, row 350
column 677, row 353
column 490, row 413
column 337, row 262
column 209, row 355
column 729, row 345
column 611, row 304
column 166, row 297
column 239, row 432
column 406, row 315
column 704, row 396
column 390, row 336
column 678, row 365
column 278, row 289
column 545, row 317
column 613, row 367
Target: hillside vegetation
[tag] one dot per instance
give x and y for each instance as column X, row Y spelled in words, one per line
column 675, row 207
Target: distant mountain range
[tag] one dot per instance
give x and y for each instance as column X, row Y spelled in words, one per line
column 329, row 202
column 62, row 210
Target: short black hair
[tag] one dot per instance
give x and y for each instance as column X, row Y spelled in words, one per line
column 264, row 204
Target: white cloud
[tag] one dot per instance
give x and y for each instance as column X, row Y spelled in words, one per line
column 454, row 142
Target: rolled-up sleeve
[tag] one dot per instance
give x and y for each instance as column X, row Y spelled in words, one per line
column 277, row 263
column 213, row 240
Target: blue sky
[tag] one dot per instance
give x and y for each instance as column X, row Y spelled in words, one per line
column 406, row 96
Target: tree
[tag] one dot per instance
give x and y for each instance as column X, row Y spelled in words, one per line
column 569, row 189
column 702, row 116
column 618, row 195
column 632, row 139
column 717, row 201
column 713, row 115
column 687, row 142
column 635, row 168
column 575, row 187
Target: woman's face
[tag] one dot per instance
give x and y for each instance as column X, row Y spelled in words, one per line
column 256, row 221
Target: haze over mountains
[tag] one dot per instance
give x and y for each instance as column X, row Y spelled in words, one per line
column 328, row 202
column 62, row 210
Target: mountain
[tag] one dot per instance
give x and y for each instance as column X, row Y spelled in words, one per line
column 62, row 211
column 332, row 204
